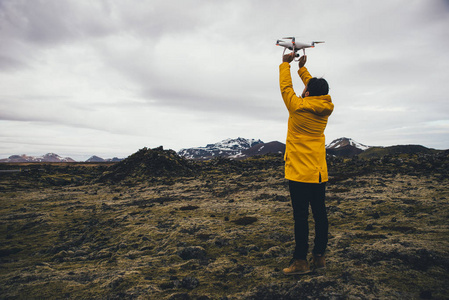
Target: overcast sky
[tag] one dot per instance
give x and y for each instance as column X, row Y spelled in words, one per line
column 107, row 78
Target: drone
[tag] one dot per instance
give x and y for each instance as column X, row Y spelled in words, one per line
column 291, row 44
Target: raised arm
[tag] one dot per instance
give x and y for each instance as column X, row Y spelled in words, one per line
column 303, row 72
column 285, row 81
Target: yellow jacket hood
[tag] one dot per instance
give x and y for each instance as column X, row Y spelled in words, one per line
column 320, row 105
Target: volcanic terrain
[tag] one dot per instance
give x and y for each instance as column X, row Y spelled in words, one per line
column 220, row 229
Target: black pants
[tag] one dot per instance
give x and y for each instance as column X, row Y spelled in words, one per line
column 302, row 194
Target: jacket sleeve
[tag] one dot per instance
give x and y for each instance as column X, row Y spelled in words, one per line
column 305, row 75
column 286, row 85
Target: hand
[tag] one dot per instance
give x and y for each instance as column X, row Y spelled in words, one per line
column 302, row 61
column 288, row 57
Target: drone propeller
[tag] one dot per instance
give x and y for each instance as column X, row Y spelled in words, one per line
column 313, row 43
column 290, row 38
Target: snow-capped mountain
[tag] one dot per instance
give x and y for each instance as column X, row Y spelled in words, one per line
column 49, row 157
column 225, row 148
column 96, row 159
column 52, row 157
column 262, row 149
column 342, row 142
column 345, row 147
column 240, row 148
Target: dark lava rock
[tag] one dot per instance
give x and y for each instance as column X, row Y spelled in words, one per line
column 221, row 242
column 6, row 252
column 369, row 227
column 281, row 198
column 425, row 294
column 245, row 220
column 155, row 162
column 192, row 252
column 190, row 282
column 375, row 215
column 242, row 250
column 189, row 207
column 167, row 285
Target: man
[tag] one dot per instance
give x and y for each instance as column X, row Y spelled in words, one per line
column 305, row 161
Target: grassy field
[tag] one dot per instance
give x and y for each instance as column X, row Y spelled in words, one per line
column 222, row 231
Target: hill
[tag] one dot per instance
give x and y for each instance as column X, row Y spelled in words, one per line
column 147, row 163
column 395, row 150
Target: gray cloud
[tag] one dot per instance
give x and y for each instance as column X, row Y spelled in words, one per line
column 8, row 64
column 148, row 68
column 51, row 22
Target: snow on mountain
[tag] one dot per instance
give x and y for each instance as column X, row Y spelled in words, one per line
column 345, row 147
column 225, row 148
column 343, row 142
column 233, row 148
column 49, row 157
column 52, row 157
column 240, row 148
column 234, row 144
column 264, row 148
column 97, row 159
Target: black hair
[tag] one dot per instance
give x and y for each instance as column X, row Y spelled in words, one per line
column 317, row 87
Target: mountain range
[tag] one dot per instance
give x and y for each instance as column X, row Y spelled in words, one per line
column 49, row 157
column 240, row 148
column 232, row 148
column 52, row 157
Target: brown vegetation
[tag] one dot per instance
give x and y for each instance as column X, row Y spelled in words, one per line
column 221, row 230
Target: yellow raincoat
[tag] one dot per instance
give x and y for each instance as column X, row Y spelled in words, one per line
column 305, row 153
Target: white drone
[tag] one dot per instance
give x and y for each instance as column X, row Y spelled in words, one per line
column 291, row 44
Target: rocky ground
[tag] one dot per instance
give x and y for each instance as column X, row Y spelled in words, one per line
column 222, row 231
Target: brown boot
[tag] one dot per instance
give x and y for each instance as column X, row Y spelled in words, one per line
column 299, row 266
column 318, row 262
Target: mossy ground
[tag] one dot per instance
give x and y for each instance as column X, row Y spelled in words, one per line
column 389, row 235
